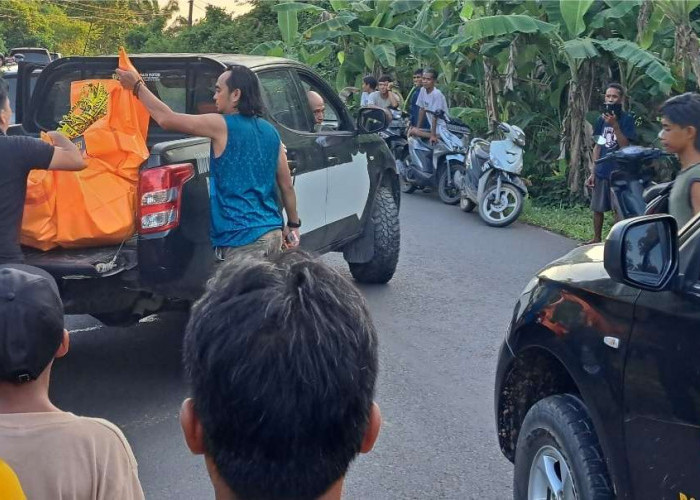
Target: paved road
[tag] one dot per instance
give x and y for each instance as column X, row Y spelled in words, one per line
column 440, row 321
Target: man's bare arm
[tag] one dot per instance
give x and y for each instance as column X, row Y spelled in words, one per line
column 210, row 125
column 284, row 181
column 695, row 196
column 66, row 156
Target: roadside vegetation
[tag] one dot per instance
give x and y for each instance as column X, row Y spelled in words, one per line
column 540, row 65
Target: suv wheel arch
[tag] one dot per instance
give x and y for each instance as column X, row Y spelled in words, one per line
column 535, row 374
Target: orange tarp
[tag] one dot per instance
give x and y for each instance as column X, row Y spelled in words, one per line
column 96, row 206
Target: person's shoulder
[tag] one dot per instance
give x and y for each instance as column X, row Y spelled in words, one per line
column 103, row 432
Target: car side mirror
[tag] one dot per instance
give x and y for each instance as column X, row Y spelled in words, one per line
column 643, row 252
column 372, row 120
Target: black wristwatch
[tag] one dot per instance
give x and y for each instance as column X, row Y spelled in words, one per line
column 294, row 225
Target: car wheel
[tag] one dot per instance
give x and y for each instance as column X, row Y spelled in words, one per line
column 387, row 238
column 558, row 454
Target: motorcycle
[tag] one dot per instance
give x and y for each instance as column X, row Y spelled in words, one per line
column 632, row 191
column 434, row 166
column 492, row 180
column 395, row 134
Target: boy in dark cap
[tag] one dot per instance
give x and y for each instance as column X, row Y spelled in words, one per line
column 55, row 454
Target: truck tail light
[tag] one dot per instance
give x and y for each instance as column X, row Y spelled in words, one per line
column 160, row 196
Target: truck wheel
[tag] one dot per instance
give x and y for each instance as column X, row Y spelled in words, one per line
column 558, row 454
column 387, row 239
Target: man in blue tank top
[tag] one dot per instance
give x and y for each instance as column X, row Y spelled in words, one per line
column 248, row 162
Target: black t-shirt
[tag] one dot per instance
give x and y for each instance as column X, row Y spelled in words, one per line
column 18, row 155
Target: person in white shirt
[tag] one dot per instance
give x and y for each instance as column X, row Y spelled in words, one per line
column 369, row 85
column 385, row 97
column 430, row 99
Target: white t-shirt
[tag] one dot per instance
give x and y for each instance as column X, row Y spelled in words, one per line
column 61, row 456
column 435, row 101
column 364, row 99
column 377, row 99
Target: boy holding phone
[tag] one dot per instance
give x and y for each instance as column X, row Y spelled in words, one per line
column 617, row 129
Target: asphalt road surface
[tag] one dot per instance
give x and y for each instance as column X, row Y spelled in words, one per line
column 440, row 323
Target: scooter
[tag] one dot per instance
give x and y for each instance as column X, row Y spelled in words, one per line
column 632, row 191
column 492, row 180
column 434, row 166
column 395, row 135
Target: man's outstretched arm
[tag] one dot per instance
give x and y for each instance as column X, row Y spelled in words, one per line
column 207, row 125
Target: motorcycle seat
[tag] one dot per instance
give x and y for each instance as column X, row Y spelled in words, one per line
column 656, row 190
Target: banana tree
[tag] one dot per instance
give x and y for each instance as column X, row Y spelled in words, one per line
column 292, row 44
column 686, row 46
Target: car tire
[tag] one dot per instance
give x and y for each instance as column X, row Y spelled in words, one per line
column 557, row 435
column 387, row 239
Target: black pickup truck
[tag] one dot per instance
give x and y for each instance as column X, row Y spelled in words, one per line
column 344, row 175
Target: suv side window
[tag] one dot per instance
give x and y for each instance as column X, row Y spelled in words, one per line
column 279, row 92
column 333, row 115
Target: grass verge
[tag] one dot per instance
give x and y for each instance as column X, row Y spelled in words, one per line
column 573, row 221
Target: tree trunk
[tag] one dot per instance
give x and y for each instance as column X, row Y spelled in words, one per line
column 577, row 128
column 490, row 87
column 643, row 18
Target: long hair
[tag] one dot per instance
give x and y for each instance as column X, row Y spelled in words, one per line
column 243, row 79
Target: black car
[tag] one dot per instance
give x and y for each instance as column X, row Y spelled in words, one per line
column 598, row 382
column 345, row 180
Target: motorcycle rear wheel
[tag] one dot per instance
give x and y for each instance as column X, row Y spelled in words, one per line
column 504, row 210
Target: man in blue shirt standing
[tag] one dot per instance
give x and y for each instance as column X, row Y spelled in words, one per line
column 617, row 129
column 410, row 105
column 248, row 163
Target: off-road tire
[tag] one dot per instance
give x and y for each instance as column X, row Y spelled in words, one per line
column 387, row 240
column 562, row 422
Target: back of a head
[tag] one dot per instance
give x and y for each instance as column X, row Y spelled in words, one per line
column 31, row 322
column 242, row 78
column 282, row 358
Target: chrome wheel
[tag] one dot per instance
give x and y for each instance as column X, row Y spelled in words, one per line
column 500, row 209
column 550, row 477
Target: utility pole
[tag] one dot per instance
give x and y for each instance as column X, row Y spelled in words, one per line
column 189, row 18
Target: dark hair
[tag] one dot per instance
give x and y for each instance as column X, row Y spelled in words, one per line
column 419, row 71
column 617, row 87
column 4, row 92
column 684, row 110
column 432, row 72
column 371, row 81
column 384, row 78
column 242, row 78
column 282, row 358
